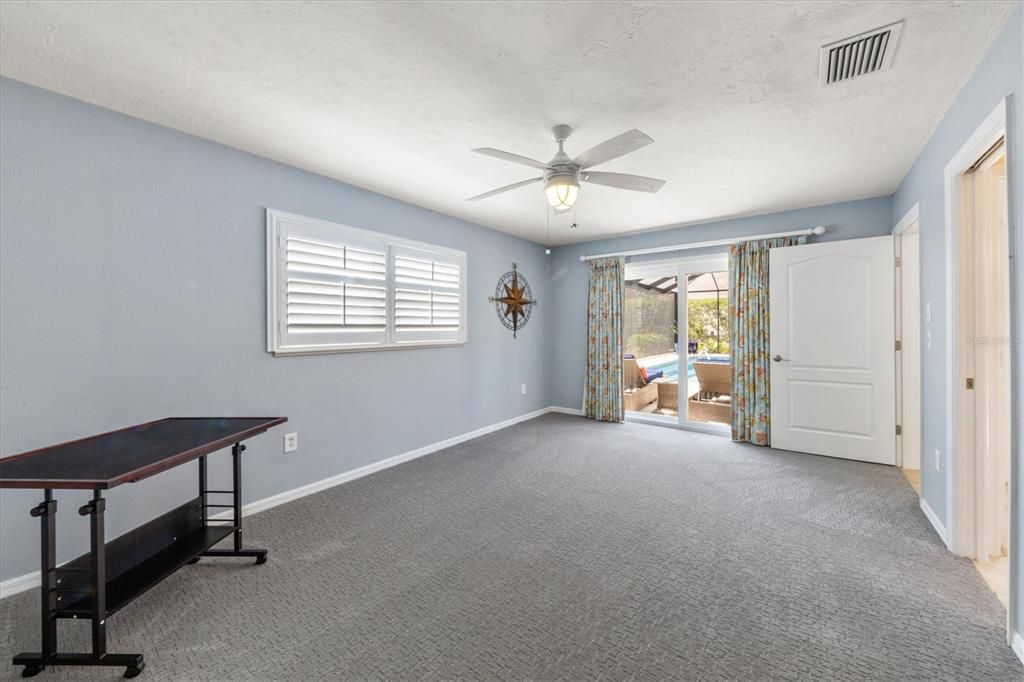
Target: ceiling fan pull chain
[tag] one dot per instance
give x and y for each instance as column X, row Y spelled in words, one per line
column 547, row 219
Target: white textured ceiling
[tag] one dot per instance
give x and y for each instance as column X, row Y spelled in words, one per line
column 391, row 96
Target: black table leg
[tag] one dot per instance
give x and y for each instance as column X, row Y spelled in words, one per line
column 50, row 592
column 202, row 486
column 236, row 494
column 95, row 510
column 203, row 496
column 46, row 512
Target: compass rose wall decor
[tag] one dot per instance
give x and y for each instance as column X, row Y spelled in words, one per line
column 513, row 300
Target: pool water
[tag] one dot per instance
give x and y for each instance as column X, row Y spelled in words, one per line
column 671, row 365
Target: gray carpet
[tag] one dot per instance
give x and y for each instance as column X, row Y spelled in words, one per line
column 565, row 548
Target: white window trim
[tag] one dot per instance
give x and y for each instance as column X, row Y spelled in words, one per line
column 276, row 306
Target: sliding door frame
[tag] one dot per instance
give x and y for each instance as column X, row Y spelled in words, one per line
column 681, row 267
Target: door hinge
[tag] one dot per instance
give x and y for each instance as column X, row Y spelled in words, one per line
column 899, row 345
column 970, row 383
column 899, row 430
column 899, row 261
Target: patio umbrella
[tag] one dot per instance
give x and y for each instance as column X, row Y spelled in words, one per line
column 698, row 286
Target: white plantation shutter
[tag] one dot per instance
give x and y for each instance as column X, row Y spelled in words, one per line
column 336, row 293
column 333, row 287
column 428, row 295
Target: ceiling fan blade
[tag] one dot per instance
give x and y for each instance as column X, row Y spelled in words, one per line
column 637, row 183
column 509, row 156
column 506, row 188
column 620, row 145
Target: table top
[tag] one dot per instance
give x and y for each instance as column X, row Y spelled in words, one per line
column 129, row 454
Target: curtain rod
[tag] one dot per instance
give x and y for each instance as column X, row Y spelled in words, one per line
column 717, row 242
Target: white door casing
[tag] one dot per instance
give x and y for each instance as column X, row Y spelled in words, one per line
column 908, row 331
column 832, row 343
column 962, row 464
column 989, row 345
column 911, row 350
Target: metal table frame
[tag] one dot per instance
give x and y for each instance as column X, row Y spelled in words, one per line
column 79, row 589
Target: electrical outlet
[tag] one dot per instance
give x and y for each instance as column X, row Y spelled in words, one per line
column 938, row 461
column 524, row 389
column 291, row 442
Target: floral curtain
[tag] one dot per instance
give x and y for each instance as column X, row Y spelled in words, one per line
column 749, row 330
column 602, row 392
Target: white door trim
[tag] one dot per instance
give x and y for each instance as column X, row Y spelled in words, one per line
column 959, row 509
column 987, row 134
column 908, row 220
column 908, row 224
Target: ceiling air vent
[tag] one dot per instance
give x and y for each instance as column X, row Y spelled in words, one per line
column 859, row 55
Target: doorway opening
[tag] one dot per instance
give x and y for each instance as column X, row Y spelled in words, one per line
column 979, row 365
column 908, row 347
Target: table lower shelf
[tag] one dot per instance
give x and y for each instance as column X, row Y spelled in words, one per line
column 139, row 560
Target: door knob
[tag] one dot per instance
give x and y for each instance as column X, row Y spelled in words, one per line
column 777, row 358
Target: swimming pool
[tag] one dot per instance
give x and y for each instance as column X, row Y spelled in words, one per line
column 670, row 365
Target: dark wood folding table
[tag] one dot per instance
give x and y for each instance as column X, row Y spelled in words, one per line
column 98, row 584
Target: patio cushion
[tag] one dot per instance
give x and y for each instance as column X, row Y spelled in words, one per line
column 651, row 376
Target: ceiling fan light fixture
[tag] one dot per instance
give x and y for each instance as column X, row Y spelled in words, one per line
column 562, row 191
column 563, row 174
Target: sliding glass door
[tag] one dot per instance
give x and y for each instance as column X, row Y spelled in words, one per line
column 677, row 362
column 650, row 329
column 708, row 361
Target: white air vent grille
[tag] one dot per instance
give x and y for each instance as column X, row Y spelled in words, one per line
column 859, row 55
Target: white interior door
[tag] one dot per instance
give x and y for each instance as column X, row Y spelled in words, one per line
column 832, row 342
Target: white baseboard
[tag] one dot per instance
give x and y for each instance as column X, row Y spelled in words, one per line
column 19, row 584
column 939, row 527
column 324, row 484
column 1017, row 644
column 29, row 581
column 566, row 410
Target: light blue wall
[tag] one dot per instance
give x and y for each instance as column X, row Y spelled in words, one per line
column 568, row 347
column 999, row 75
column 132, row 287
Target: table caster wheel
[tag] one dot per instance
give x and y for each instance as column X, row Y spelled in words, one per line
column 31, row 670
column 194, row 560
column 261, row 559
column 134, row 671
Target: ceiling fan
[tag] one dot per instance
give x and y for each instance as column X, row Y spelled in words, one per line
column 562, row 174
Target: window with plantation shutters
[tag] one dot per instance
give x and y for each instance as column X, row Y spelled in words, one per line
column 335, row 292
column 427, row 296
column 332, row 287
